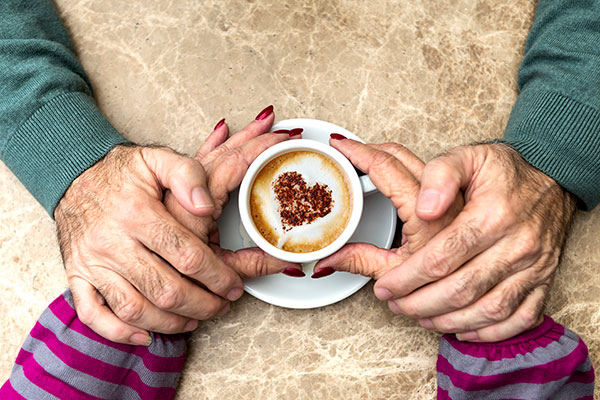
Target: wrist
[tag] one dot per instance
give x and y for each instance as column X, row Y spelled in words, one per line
column 57, row 143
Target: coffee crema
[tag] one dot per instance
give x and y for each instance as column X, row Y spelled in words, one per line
column 300, row 201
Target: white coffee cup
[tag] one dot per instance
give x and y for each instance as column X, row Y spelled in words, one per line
column 358, row 186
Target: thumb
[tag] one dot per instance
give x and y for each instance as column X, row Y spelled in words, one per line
column 442, row 180
column 184, row 176
column 363, row 259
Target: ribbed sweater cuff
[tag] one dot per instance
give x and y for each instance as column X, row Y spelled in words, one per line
column 560, row 137
column 57, row 143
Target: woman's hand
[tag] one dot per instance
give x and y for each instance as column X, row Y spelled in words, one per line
column 225, row 160
column 396, row 172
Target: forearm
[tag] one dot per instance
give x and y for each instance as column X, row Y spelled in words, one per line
column 549, row 361
column 63, row 358
column 50, row 127
column 555, row 123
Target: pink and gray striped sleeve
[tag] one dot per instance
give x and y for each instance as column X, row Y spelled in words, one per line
column 64, row 359
column 547, row 362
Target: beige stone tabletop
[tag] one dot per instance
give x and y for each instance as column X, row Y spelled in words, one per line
column 430, row 74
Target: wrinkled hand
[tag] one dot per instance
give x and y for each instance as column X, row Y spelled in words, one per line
column 486, row 275
column 396, row 172
column 131, row 265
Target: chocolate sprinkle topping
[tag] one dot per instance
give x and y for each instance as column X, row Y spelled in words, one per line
column 298, row 203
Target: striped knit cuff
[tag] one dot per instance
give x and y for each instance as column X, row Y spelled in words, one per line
column 64, row 359
column 560, row 137
column 548, row 361
column 57, row 143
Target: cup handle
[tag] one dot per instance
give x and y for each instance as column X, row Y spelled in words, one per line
column 367, row 185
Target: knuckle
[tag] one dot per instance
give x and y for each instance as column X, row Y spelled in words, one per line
column 251, row 263
column 436, row 164
column 496, row 308
column 381, row 159
column 357, row 259
column 189, row 167
column 503, row 215
column 119, row 334
column 210, row 309
column 547, row 263
column 501, row 268
column 436, row 265
column 356, row 262
column 169, row 296
column 528, row 244
column 192, row 261
column 167, row 236
column 464, row 239
column 85, row 313
column 393, row 147
column 445, row 323
column 260, row 268
column 528, row 317
column 130, row 311
column 234, row 155
column 462, row 291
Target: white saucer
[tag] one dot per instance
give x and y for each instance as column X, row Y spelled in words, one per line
column 377, row 226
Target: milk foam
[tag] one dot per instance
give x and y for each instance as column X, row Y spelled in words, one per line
column 314, row 168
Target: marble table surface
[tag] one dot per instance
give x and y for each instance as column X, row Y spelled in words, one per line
column 430, row 74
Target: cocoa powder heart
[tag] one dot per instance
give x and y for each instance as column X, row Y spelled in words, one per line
column 298, row 203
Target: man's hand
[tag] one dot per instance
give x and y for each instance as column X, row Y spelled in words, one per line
column 486, row 275
column 396, row 172
column 118, row 243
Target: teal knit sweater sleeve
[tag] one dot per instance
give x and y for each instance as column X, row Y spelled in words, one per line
column 50, row 128
column 555, row 123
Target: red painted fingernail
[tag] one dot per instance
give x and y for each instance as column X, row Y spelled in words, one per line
column 322, row 272
column 296, row 273
column 296, row 131
column 337, row 136
column 219, row 124
column 264, row 113
column 282, row 131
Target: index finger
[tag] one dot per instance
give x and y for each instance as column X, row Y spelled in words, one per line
column 387, row 173
column 228, row 170
column 162, row 234
column 363, row 259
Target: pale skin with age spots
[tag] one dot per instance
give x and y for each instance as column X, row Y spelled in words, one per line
column 136, row 264
column 485, row 273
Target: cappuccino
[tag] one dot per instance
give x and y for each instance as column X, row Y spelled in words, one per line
column 300, row 201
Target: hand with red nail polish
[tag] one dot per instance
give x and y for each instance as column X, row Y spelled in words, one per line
column 337, row 136
column 225, row 160
column 294, row 272
column 322, row 272
column 396, row 172
column 264, row 114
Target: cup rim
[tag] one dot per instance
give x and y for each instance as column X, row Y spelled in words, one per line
column 287, row 147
